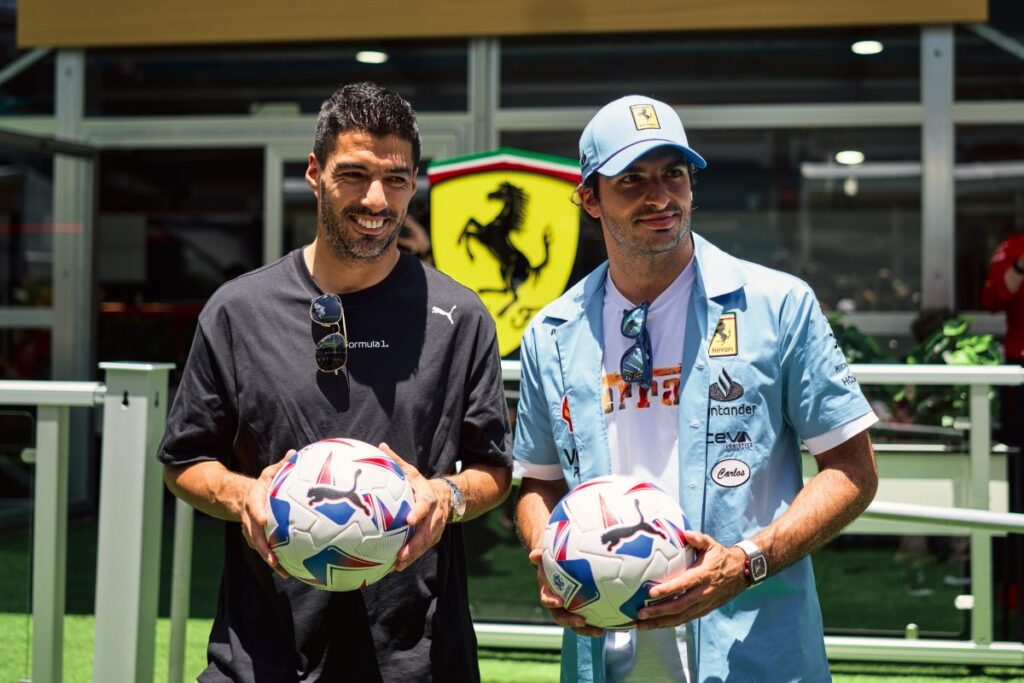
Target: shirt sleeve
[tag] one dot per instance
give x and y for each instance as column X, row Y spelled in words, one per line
column 829, row 440
column 820, row 391
column 535, row 452
column 486, row 435
column 202, row 422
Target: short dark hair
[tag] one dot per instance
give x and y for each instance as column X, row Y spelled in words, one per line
column 368, row 107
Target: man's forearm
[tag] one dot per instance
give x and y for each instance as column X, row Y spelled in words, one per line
column 484, row 487
column 842, row 489
column 209, row 487
column 537, row 498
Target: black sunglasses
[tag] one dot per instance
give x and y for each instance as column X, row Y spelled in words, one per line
column 636, row 363
column 332, row 350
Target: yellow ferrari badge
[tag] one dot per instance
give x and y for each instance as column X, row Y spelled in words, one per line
column 644, row 116
column 724, row 342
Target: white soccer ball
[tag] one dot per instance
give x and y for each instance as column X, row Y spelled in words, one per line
column 608, row 542
column 336, row 515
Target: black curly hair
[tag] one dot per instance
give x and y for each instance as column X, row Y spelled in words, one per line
column 368, row 107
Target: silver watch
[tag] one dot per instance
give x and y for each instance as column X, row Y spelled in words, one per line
column 458, row 507
column 755, row 567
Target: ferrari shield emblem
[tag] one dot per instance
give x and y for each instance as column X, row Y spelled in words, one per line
column 502, row 224
column 724, row 341
column 644, row 116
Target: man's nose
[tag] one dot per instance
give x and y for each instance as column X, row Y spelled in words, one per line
column 656, row 193
column 375, row 199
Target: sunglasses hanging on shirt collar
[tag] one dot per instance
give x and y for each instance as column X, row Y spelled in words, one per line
column 331, row 351
column 636, row 366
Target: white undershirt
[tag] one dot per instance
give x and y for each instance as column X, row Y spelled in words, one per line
column 643, row 437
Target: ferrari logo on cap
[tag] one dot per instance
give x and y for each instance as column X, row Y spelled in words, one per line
column 644, row 116
column 724, row 341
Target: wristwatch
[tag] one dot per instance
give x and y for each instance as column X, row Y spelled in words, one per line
column 458, row 508
column 755, row 566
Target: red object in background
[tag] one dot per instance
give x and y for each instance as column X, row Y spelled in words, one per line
column 996, row 297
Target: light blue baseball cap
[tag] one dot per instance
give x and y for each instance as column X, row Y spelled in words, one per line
column 627, row 129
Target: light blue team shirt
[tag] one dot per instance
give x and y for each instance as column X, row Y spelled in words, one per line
column 761, row 371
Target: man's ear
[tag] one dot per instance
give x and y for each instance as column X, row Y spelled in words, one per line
column 313, row 175
column 589, row 202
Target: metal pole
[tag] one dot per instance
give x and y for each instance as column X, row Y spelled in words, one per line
column 937, row 190
column 74, row 304
column 941, row 516
column 23, row 62
column 273, row 204
column 128, row 553
column 181, row 579
column 484, row 83
column 49, row 543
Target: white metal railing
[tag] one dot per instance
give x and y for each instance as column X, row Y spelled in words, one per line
column 134, row 398
column 134, row 401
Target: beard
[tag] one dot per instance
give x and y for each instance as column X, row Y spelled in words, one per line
column 647, row 245
column 346, row 243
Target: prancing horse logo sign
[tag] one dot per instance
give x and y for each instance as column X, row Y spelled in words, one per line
column 501, row 223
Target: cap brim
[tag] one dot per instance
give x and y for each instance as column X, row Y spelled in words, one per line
column 618, row 162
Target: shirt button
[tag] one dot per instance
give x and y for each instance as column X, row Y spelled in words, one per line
column 692, row 484
column 699, row 366
column 694, row 424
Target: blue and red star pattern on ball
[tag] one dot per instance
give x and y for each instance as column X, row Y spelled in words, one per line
column 280, row 509
column 330, row 560
column 579, row 570
column 386, row 463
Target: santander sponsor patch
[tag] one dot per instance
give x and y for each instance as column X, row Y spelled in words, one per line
column 730, row 473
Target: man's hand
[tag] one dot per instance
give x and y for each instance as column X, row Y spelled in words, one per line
column 550, row 601
column 429, row 512
column 254, row 515
column 710, row 582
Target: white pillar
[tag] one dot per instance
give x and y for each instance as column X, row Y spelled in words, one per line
column 130, row 520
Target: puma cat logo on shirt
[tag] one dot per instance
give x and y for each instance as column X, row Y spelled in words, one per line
column 447, row 314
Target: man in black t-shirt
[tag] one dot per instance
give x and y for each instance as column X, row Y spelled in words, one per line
column 419, row 371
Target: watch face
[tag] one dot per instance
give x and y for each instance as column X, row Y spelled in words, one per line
column 758, row 568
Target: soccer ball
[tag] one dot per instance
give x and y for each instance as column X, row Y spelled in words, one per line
column 336, row 515
column 608, row 542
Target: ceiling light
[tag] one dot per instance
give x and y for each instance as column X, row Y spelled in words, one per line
column 850, row 157
column 371, row 57
column 866, row 47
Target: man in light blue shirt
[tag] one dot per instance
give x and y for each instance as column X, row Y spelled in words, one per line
column 703, row 373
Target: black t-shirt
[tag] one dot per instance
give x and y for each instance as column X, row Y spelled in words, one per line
column 424, row 375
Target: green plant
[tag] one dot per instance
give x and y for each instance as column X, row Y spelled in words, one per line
column 951, row 344
column 857, row 346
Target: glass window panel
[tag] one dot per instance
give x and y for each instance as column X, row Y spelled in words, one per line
column 281, row 79
column 989, row 201
column 26, row 228
column 914, row 579
column 173, row 226
column 31, row 91
column 777, row 197
column 735, row 67
column 985, row 71
column 24, row 354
